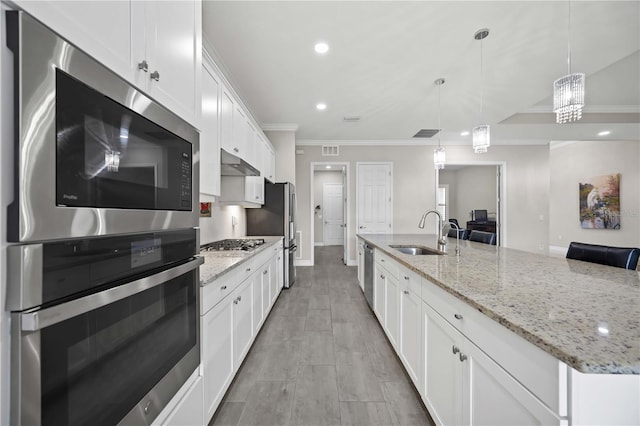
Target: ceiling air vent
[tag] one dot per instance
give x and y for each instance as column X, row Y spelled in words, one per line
column 330, row 151
column 426, row 133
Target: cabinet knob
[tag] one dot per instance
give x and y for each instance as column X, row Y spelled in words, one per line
column 463, row 357
column 455, row 350
column 382, row 276
column 236, row 300
column 265, row 272
column 239, row 298
column 381, row 260
column 406, row 291
column 257, row 197
column 144, row 66
column 147, row 406
column 155, row 76
column 457, row 316
column 224, row 287
column 278, row 258
column 236, row 149
column 248, row 270
column 361, row 227
column 406, row 278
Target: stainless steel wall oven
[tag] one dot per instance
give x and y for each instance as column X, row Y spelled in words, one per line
column 92, row 155
column 103, row 283
column 105, row 329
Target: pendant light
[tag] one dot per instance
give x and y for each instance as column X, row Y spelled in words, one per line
column 438, row 153
column 568, row 91
column 481, row 135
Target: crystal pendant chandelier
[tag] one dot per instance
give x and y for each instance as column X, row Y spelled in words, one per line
column 438, row 153
column 481, row 134
column 568, row 91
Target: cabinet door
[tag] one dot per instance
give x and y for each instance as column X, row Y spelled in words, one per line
column 253, row 152
column 239, row 132
column 493, row 397
column 411, row 334
column 379, row 279
column 277, row 279
column 361, row 264
column 257, row 301
column 227, row 107
column 392, row 316
column 442, row 389
column 217, row 353
column 210, row 136
column 174, row 51
column 242, row 322
column 265, row 277
column 100, row 28
column 272, row 165
column 254, row 189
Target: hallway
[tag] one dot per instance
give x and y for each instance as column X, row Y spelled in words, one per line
column 322, row 359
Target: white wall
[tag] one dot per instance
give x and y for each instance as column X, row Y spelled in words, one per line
column 413, row 186
column 219, row 226
column 284, row 143
column 569, row 163
column 320, row 178
column 526, row 192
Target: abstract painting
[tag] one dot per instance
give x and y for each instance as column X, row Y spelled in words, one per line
column 600, row 202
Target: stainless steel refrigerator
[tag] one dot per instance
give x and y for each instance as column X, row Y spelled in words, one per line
column 277, row 217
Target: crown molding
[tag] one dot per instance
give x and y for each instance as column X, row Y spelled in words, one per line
column 279, row 127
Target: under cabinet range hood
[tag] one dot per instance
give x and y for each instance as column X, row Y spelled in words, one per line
column 231, row 165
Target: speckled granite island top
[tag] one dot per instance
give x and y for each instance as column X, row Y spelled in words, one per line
column 217, row 263
column 584, row 314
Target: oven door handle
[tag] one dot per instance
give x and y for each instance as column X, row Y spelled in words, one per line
column 37, row 320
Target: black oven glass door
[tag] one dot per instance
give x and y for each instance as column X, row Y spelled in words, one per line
column 108, row 156
column 95, row 367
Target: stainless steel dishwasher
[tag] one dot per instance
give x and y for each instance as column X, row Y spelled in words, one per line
column 368, row 274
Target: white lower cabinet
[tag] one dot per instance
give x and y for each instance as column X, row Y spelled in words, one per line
column 392, row 309
column 242, row 321
column 217, row 353
column 277, row 275
column 361, row 263
column 462, row 385
column 234, row 308
column 410, row 348
column 379, row 285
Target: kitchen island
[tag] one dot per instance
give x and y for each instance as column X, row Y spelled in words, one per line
column 584, row 317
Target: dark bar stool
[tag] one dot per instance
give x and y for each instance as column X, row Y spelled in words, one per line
column 483, row 237
column 621, row 257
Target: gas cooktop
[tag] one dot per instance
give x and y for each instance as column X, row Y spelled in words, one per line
column 242, row 244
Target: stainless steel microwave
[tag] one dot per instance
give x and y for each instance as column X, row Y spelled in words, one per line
column 92, row 154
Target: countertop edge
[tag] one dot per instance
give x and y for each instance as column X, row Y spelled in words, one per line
column 549, row 348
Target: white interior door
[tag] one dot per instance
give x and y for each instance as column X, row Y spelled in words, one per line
column 374, row 198
column 333, row 225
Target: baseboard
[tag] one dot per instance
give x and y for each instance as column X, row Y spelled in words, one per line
column 319, row 244
column 303, row 262
column 352, row 262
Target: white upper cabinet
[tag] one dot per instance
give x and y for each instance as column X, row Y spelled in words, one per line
column 167, row 53
column 126, row 35
column 227, row 106
column 239, row 132
column 253, row 151
column 210, row 136
column 100, row 28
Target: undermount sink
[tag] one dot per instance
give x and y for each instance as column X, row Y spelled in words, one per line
column 416, row 250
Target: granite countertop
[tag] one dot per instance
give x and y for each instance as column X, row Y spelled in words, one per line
column 584, row 314
column 217, row 263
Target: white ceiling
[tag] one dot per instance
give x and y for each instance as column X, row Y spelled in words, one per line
column 385, row 56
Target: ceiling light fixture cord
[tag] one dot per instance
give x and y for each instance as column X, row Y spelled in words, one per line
column 569, row 41
column 439, row 126
column 481, row 79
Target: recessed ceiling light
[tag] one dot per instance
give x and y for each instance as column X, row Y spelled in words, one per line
column 321, row 107
column 327, row 167
column 321, row 48
column 604, row 133
column 465, row 133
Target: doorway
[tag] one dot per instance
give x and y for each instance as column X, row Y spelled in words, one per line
column 330, row 206
column 464, row 190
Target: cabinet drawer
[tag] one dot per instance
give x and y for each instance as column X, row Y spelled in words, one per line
column 245, row 269
column 542, row 374
column 215, row 291
column 386, row 262
column 410, row 281
column 261, row 258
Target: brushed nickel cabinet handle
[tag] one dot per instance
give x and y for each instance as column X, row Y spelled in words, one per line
column 224, row 287
column 463, row 357
column 144, row 66
column 155, row 76
column 457, row 316
column 455, row 350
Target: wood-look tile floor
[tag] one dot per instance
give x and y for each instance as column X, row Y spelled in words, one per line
column 321, row 358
